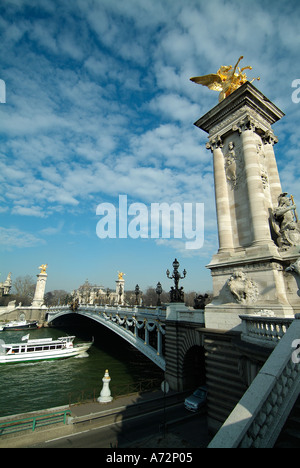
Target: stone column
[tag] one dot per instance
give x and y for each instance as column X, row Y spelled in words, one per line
column 221, row 194
column 258, row 212
column 38, row 300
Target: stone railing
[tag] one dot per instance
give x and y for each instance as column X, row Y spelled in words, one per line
column 121, row 310
column 258, row 418
column 264, row 331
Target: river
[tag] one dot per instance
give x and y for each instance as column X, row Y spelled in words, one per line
column 34, row 386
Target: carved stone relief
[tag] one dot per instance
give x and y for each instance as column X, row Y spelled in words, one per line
column 242, row 288
column 262, row 164
column 233, row 164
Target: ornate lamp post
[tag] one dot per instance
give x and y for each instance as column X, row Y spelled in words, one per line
column 176, row 294
column 137, row 293
column 158, row 291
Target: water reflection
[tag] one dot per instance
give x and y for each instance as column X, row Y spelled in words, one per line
column 32, row 386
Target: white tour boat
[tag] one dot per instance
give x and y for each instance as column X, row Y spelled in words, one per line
column 20, row 325
column 41, row 349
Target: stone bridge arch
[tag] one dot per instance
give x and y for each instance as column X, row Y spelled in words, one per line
column 185, row 356
column 192, row 362
column 126, row 324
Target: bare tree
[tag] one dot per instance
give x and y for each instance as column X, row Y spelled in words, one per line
column 57, row 297
column 23, row 289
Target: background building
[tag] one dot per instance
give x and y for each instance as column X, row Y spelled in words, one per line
column 6, row 286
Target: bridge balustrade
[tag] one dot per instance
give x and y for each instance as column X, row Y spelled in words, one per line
column 264, row 331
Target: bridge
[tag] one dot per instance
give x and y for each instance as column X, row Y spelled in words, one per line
column 143, row 328
column 166, row 335
column 246, row 345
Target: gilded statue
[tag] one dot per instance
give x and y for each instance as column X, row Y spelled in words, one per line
column 120, row 275
column 43, row 268
column 226, row 80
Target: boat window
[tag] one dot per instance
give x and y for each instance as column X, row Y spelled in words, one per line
column 39, row 348
column 30, row 350
column 52, row 347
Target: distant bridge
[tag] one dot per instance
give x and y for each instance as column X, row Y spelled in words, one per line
column 143, row 328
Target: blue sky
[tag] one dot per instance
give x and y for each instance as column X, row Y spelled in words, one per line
column 99, row 103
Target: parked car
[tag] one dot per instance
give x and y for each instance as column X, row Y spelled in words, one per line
column 198, row 399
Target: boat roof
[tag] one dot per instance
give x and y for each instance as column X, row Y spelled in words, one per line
column 50, row 340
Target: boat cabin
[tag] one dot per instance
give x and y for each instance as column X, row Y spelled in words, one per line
column 45, row 344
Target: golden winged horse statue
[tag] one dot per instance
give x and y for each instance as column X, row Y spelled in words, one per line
column 226, row 80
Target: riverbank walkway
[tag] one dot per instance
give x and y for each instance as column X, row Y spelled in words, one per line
column 91, row 415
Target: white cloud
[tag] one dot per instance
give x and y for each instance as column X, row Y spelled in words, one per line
column 11, row 237
column 51, row 230
column 175, row 107
column 99, row 100
column 28, row 211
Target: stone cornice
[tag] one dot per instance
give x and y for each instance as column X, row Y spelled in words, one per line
column 245, row 99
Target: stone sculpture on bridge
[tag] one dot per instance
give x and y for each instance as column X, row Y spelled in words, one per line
column 243, row 289
column 43, row 268
column 286, row 225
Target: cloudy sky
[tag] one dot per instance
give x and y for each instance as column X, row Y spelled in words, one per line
column 99, row 104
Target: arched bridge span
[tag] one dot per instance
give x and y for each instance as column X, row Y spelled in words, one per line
column 143, row 328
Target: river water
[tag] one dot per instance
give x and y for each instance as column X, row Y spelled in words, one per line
column 33, row 386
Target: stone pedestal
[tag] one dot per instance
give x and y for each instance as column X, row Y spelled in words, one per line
column 38, row 300
column 248, row 270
